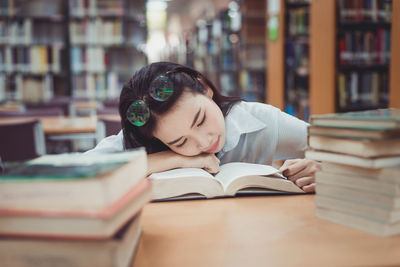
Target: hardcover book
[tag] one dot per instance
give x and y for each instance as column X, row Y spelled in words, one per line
column 389, row 174
column 118, row 251
column 379, row 119
column 357, row 147
column 97, row 224
column 233, row 178
column 72, row 181
column 358, row 222
column 376, row 162
column 359, row 209
column 338, row 132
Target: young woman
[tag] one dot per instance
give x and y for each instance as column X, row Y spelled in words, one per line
column 182, row 120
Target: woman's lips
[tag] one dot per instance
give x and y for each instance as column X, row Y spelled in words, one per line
column 214, row 146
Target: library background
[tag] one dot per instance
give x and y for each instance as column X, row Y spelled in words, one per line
column 302, row 56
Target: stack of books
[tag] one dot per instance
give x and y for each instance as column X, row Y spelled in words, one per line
column 73, row 210
column 359, row 185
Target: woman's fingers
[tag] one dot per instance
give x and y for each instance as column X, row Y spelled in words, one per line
column 309, row 188
column 287, row 163
column 304, row 181
column 302, row 172
column 295, row 168
column 303, row 168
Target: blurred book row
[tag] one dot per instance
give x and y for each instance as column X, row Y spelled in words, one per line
column 369, row 47
column 39, row 59
column 365, row 10
column 363, row 89
column 44, row 41
column 230, row 49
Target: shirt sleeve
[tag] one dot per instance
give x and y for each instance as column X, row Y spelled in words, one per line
column 292, row 137
column 110, row 144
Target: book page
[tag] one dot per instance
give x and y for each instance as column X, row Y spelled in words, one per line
column 231, row 171
column 183, row 181
column 181, row 173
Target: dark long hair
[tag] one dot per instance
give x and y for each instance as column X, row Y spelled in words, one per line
column 183, row 78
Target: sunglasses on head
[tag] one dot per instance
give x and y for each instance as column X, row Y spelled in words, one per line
column 161, row 88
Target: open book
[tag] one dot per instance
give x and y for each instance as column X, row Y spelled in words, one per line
column 233, row 178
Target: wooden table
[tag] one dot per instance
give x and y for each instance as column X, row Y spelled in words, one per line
column 10, row 107
column 69, row 125
column 255, row 231
column 60, row 125
column 110, row 117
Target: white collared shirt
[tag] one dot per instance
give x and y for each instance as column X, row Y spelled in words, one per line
column 255, row 133
column 261, row 133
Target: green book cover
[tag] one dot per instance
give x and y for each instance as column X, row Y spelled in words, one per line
column 68, row 166
column 392, row 114
column 377, row 119
column 41, row 171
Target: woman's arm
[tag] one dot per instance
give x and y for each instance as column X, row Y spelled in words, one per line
column 292, row 137
column 167, row 160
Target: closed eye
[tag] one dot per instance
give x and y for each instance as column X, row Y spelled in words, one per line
column 202, row 121
column 181, row 144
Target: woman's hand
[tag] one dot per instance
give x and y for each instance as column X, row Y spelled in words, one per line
column 206, row 161
column 167, row 160
column 302, row 172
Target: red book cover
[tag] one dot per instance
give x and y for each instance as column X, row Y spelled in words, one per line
column 342, row 49
column 101, row 214
column 76, row 225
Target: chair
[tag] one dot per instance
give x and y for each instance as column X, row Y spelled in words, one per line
column 21, row 140
column 107, row 127
column 33, row 113
column 85, row 106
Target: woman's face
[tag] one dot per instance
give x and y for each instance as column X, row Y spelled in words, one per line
column 194, row 125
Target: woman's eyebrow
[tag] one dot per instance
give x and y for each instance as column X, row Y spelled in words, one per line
column 191, row 126
column 195, row 117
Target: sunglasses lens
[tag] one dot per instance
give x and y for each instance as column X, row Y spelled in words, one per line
column 161, row 88
column 138, row 113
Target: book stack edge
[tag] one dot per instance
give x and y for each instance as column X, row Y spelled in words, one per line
column 87, row 217
column 359, row 184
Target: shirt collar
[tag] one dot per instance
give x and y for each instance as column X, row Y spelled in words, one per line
column 239, row 121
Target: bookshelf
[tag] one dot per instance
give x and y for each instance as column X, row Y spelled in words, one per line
column 297, row 70
column 363, row 55
column 229, row 42
column 328, row 75
column 204, row 46
column 288, row 68
column 78, row 48
column 252, row 51
column 105, row 45
column 213, row 45
column 32, row 50
column 230, row 49
column 353, row 55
